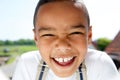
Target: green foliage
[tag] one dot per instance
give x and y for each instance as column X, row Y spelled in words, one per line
column 17, row 42
column 25, row 42
column 12, row 49
column 1, row 42
column 10, row 60
column 102, row 43
column 8, row 42
column 15, row 50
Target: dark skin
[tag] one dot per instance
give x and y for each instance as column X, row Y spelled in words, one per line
column 62, row 35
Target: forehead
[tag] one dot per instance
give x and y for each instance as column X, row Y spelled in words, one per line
column 63, row 12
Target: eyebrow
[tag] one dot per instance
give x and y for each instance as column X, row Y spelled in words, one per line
column 45, row 29
column 78, row 26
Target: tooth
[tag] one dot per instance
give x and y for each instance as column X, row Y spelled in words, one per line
column 70, row 58
column 60, row 59
column 65, row 59
column 57, row 59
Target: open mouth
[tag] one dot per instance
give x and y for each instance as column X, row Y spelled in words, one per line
column 64, row 61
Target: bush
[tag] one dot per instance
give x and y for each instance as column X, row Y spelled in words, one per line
column 102, row 43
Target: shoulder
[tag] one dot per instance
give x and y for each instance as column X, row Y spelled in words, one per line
column 94, row 55
column 27, row 65
column 98, row 57
column 99, row 63
column 31, row 56
column 30, row 59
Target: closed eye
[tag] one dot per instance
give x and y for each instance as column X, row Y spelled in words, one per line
column 76, row 33
column 47, row 35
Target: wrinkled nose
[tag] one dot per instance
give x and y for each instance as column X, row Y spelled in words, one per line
column 63, row 45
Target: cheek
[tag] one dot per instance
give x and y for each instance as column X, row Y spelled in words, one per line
column 80, row 42
column 80, row 45
column 44, row 48
column 44, row 45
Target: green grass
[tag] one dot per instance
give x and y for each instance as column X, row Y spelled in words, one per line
column 14, row 51
column 11, row 59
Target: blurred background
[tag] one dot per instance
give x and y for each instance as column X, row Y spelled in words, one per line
column 16, row 36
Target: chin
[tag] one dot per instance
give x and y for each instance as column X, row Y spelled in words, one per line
column 63, row 75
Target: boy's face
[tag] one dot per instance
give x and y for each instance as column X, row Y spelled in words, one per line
column 61, row 35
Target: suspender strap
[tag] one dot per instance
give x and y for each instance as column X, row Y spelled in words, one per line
column 83, row 71
column 80, row 72
column 42, row 71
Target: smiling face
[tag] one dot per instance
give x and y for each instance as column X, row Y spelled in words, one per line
column 62, row 35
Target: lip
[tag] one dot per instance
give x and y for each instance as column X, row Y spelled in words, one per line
column 64, row 64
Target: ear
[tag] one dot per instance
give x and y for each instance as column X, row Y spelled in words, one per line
column 89, row 34
column 35, row 37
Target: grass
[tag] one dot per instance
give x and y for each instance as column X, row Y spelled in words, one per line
column 11, row 59
column 16, row 50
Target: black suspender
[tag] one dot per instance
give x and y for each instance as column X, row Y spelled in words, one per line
column 43, row 71
column 80, row 72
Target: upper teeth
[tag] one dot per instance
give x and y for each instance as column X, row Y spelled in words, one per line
column 63, row 59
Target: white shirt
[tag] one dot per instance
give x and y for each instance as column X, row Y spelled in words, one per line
column 3, row 76
column 99, row 67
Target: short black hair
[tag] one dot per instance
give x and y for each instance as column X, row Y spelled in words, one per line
column 42, row 2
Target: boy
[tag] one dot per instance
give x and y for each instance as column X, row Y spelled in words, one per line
column 62, row 33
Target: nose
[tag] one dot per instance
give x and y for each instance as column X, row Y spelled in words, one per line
column 63, row 45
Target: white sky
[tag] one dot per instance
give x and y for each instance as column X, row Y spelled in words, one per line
column 16, row 18
column 105, row 17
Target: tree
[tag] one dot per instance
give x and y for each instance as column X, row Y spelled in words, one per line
column 1, row 42
column 8, row 42
column 18, row 42
column 102, row 43
column 24, row 42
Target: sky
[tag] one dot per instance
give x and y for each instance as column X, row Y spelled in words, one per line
column 16, row 18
